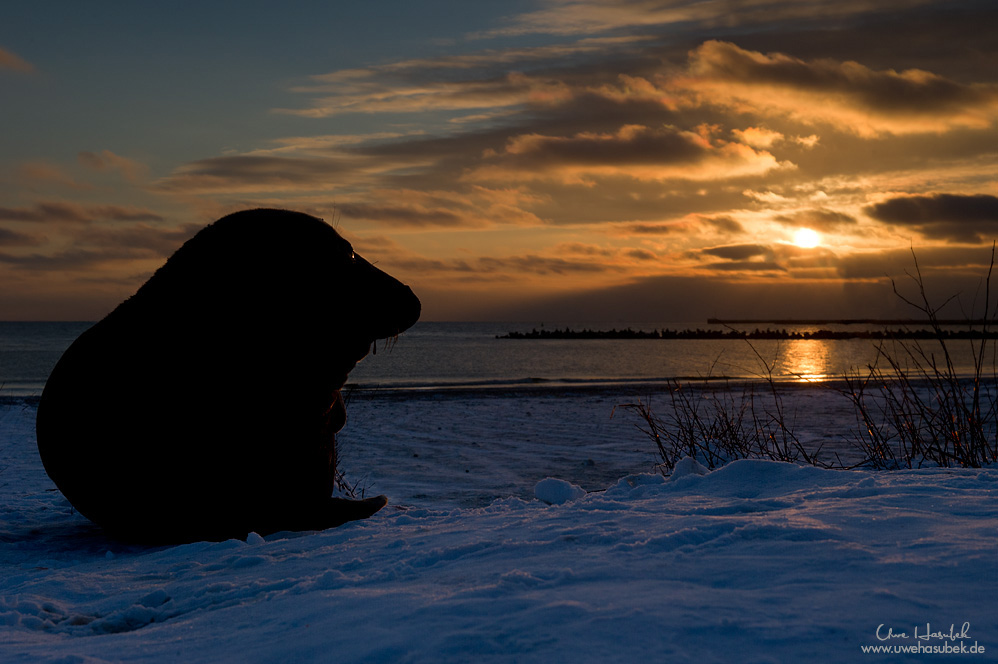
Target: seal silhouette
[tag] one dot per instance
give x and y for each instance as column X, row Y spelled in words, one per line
column 205, row 406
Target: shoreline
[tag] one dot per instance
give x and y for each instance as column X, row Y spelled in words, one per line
column 569, row 387
column 757, row 334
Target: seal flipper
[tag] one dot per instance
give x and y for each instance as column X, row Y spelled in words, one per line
column 341, row 510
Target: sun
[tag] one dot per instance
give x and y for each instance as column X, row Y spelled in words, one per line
column 805, row 238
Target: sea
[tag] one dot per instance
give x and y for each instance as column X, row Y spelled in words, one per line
column 474, row 356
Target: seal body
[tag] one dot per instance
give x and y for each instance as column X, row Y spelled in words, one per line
column 205, row 405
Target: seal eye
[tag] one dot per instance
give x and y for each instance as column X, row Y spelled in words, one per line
column 353, row 257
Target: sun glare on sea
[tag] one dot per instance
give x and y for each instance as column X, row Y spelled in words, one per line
column 806, row 238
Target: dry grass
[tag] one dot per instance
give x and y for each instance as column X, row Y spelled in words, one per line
column 914, row 408
column 716, row 422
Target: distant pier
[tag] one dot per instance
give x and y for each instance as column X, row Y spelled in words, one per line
column 821, row 334
column 848, row 321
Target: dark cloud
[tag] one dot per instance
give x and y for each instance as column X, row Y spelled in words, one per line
column 94, row 246
column 723, row 224
column 254, row 173
column 71, row 260
column 586, row 249
column 9, row 238
column 118, row 213
column 648, row 229
column 422, row 265
column 634, row 151
column 534, row 264
column 158, row 241
column 908, row 92
column 950, row 217
column 641, row 254
column 901, row 261
column 955, row 39
column 45, row 212
column 633, row 145
column 819, row 219
column 737, row 252
column 398, row 215
column 77, row 213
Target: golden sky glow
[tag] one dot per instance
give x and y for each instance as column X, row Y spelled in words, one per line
column 577, row 160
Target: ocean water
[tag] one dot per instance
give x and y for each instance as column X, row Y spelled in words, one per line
column 435, row 355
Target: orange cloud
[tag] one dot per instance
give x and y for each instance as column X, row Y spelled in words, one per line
column 849, row 95
column 43, row 173
column 633, row 151
column 389, row 96
column 13, row 62
column 53, row 212
column 469, row 207
column 105, row 160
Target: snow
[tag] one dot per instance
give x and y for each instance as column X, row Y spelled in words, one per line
column 754, row 562
column 553, row 491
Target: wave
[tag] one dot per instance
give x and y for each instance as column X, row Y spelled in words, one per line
column 529, row 383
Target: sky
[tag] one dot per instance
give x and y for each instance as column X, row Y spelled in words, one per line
column 529, row 160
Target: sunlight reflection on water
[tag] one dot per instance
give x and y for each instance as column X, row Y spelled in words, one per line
column 807, row 359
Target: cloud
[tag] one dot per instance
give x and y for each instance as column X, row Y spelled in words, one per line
column 723, row 224
column 69, row 260
column 951, row 217
column 758, row 137
column 939, row 266
column 544, row 265
column 330, row 143
column 603, row 253
column 635, row 151
column 464, row 206
column 76, row 213
column 572, row 259
column 12, row 62
column 695, row 223
column 494, row 80
column 392, row 96
column 249, row 173
column 33, row 173
column 158, row 241
column 849, row 95
column 641, row 254
column 568, row 17
column 583, row 249
column 405, row 215
column 758, row 258
column 647, row 229
column 489, row 58
column 9, row 238
column 106, row 160
column 819, row 219
column 95, row 245
column 748, row 266
column 737, row 252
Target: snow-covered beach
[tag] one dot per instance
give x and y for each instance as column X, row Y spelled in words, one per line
column 754, row 562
